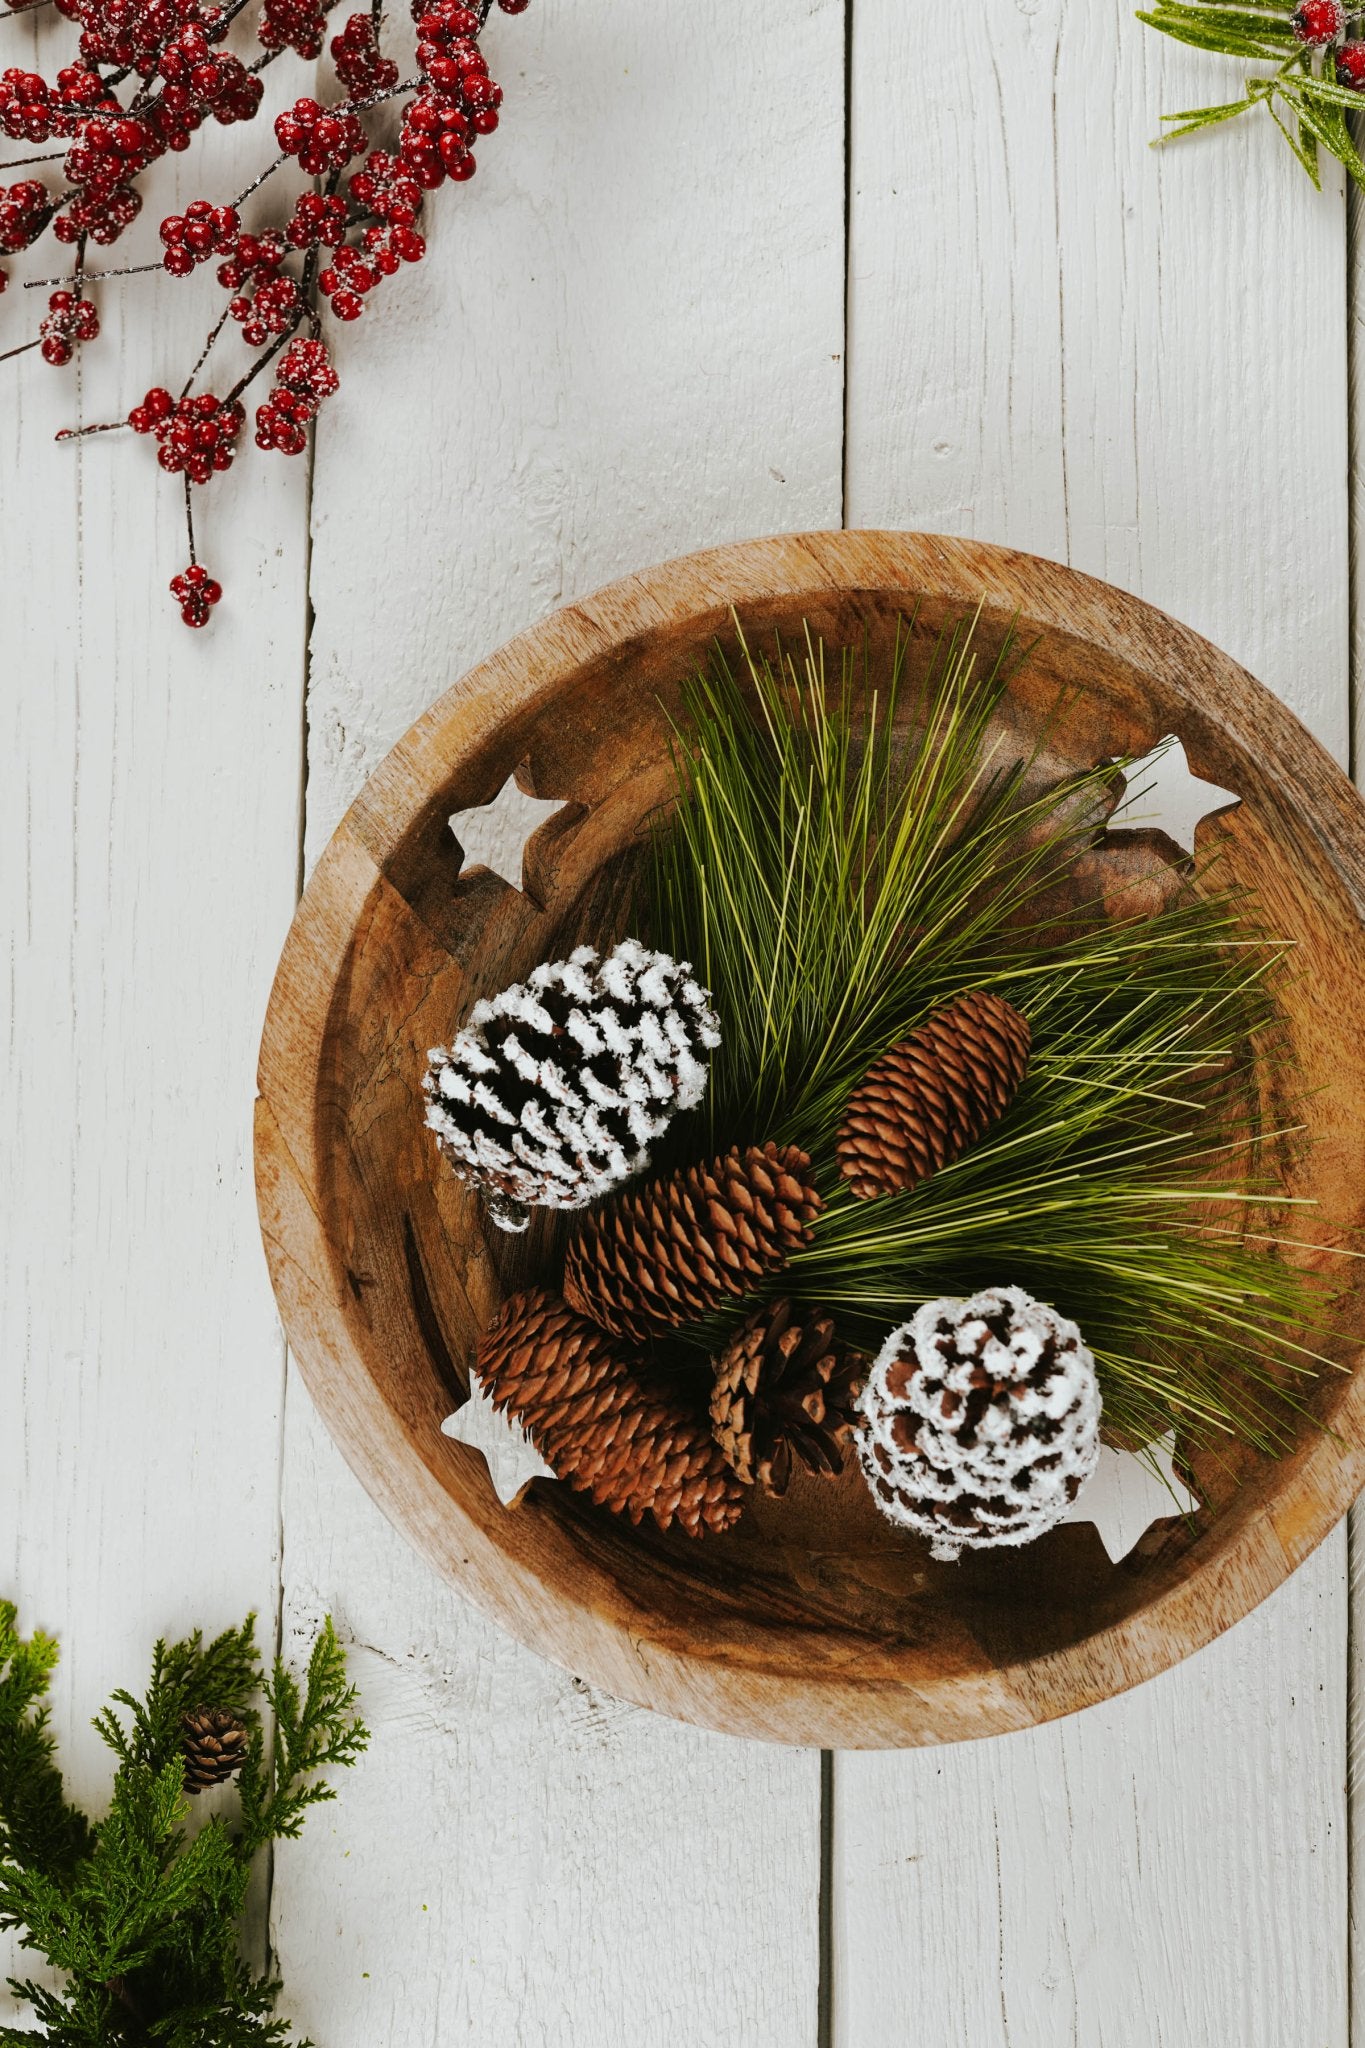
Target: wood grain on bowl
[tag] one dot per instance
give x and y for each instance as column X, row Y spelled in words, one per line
column 813, row 1621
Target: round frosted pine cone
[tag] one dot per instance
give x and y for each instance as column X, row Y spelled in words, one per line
column 933, row 1095
column 783, row 1396
column 603, row 1423
column 673, row 1250
column 214, row 1744
column 557, row 1086
column 981, row 1421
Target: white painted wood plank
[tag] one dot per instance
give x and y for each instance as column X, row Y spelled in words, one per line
column 1061, row 340
column 149, row 802
column 626, row 343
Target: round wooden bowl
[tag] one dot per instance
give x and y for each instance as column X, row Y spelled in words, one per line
column 814, row 1621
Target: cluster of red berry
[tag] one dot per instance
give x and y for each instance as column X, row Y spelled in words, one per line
column 195, row 436
column 359, row 65
column 304, row 378
column 196, row 593
column 69, row 320
column 1321, row 25
column 198, row 233
column 339, row 241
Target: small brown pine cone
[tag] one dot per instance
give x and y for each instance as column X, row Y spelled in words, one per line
column 675, row 1248
column 213, row 1743
column 933, row 1095
column 606, row 1425
column 784, row 1394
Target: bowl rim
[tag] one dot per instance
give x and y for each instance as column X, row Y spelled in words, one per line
column 615, row 1646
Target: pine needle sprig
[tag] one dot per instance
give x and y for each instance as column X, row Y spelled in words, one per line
column 835, row 867
column 1310, row 109
column 139, row 1913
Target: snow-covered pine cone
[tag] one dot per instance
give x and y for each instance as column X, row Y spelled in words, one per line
column 557, row 1086
column 981, row 1421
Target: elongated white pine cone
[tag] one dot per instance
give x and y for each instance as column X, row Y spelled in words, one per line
column 557, row 1086
column 980, row 1421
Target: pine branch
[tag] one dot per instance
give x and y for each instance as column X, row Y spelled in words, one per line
column 835, row 868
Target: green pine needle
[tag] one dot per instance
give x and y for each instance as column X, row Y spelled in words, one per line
column 845, row 855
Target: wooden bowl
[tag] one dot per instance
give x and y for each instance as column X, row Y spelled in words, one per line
column 814, row 1621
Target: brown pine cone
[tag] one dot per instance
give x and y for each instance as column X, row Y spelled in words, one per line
column 675, row 1248
column 784, row 1392
column 214, row 1745
column 933, row 1095
column 607, row 1426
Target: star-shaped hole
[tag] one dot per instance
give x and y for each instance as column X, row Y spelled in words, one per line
column 1125, row 1495
column 494, row 835
column 512, row 1459
column 1164, row 792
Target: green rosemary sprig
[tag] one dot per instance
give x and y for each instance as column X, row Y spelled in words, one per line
column 834, row 869
column 1308, row 107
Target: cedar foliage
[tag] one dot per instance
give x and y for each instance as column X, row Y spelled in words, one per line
column 137, row 1914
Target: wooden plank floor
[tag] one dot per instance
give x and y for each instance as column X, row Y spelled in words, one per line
column 723, row 271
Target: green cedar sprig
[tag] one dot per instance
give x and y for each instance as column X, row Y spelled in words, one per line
column 1299, row 93
column 139, row 1915
column 834, row 870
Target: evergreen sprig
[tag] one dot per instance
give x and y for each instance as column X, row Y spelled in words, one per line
column 139, row 1914
column 835, row 868
column 1308, row 107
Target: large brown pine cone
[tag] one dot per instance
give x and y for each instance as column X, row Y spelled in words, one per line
column 784, row 1394
column 675, row 1248
column 214, row 1745
column 934, row 1094
column 605, row 1424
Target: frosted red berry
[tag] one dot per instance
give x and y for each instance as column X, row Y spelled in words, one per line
column 195, row 436
column 1350, row 67
column 196, row 593
column 198, row 233
column 25, row 210
column 323, row 139
column 294, row 25
column 1319, row 22
column 356, row 54
column 68, row 322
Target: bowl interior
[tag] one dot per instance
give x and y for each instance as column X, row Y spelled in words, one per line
column 816, row 1598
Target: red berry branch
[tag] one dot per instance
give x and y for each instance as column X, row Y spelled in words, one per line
column 149, row 74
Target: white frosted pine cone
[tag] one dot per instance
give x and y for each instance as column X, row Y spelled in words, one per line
column 556, row 1088
column 980, row 1421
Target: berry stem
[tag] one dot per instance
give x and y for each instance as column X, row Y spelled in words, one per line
column 214, row 333
column 84, row 277
column 22, row 349
column 257, row 183
column 189, row 520
column 21, row 163
column 267, row 356
column 78, row 433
